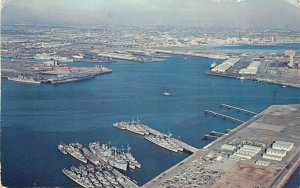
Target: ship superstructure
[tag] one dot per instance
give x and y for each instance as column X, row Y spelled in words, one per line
column 74, row 149
column 94, row 176
column 114, row 156
column 133, row 126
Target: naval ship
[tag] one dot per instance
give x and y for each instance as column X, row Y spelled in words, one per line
column 62, row 148
column 108, row 155
column 132, row 162
column 164, row 141
column 24, row 79
column 133, row 126
column 74, row 149
column 114, row 156
column 90, row 176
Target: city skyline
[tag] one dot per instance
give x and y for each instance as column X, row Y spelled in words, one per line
column 206, row 13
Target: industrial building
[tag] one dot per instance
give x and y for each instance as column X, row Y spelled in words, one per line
column 271, row 157
column 282, row 145
column 227, row 147
column 251, row 69
column 51, row 63
column 246, row 152
column 222, row 68
column 276, row 152
column 262, row 162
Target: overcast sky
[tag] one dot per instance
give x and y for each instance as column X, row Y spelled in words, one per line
column 215, row 13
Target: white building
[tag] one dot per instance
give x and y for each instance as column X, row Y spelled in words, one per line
column 227, row 147
column 251, row 69
column 242, row 156
column 223, row 67
column 271, row 157
column 276, row 152
column 262, row 162
column 247, row 152
column 282, row 145
column 51, row 63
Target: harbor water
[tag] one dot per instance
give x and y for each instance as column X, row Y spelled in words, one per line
column 36, row 118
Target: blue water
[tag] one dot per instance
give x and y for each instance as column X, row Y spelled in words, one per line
column 35, row 118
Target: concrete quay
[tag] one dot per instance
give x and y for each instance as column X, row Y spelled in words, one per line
column 185, row 146
column 215, row 166
column 193, row 54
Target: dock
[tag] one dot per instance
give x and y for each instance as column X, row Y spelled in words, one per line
column 223, row 116
column 186, row 147
column 221, row 162
column 127, row 181
column 237, row 109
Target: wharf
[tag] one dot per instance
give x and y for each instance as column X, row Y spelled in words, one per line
column 237, row 109
column 211, row 166
column 184, row 145
column 223, row 116
column 193, row 54
column 127, row 181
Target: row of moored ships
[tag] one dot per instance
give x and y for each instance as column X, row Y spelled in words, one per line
column 113, row 156
column 101, row 175
column 90, row 176
column 162, row 140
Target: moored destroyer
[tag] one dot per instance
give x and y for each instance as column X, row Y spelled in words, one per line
column 133, row 126
column 74, row 149
column 164, row 141
column 90, row 176
column 114, row 156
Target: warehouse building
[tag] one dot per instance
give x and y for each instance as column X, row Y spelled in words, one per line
column 252, row 69
column 262, row 162
column 282, row 145
column 276, row 152
column 222, row 68
column 271, row 157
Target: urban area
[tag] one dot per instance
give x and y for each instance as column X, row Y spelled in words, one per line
column 262, row 152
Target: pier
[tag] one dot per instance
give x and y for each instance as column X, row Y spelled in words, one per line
column 212, row 166
column 127, row 181
column 237, row 109
column 186, row 147
column 223, row 116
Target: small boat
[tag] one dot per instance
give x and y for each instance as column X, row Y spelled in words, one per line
column 167, row 94
column 284, row 86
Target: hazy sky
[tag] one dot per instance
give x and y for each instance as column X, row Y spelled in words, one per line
column 230, row 13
